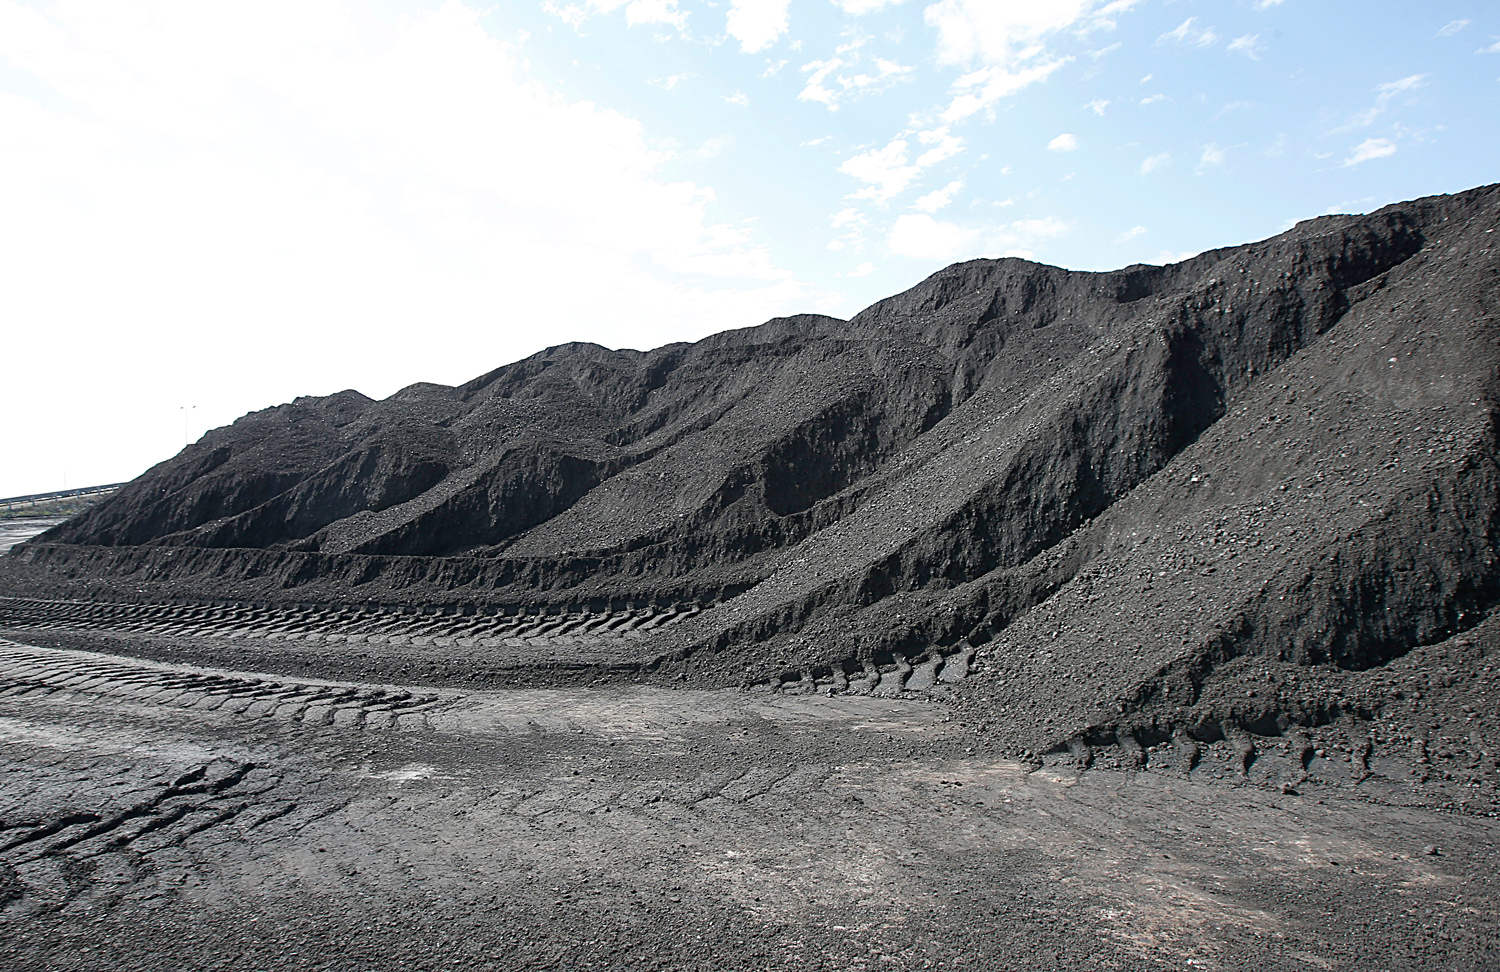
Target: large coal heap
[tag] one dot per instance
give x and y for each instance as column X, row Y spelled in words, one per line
column 1114, row 487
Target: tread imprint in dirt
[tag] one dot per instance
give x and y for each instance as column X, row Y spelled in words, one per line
column 30, row 672
column 931, row 673
column 335, row 624
column 52, row 855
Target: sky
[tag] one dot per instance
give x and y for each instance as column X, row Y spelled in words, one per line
column 210, row 208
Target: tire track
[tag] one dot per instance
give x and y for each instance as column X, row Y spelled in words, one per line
column 32, row 673
column 351, row 625
column 56, row 857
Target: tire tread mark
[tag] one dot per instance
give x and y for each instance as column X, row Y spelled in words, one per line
column 33, row 673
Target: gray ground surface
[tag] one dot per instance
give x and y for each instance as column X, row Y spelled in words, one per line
column 14, row 531
column 159, row 816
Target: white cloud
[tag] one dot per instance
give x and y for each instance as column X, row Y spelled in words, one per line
column 1035, row 229
column 571, row 14
column 1007, row 32
column 739, row 98
column 846, row 217
column 1000, row 32
column 1452, row 27
column 1264, row 4
column 921, row 237
column 858, row 7
column 815, row 90
column 1371, row 148
column 757, row 23
column 836, row 80
column 889, row 171
column 924, row 238
column 1066, row 142
column 890, row 69
column 1155, row 162
column 1191, row 35
column 1005, row 41
column 655, row 12
column 1097, row 106
column 863, row 270
column 939, row 198
column 1153, row 99
column 885, row 172
column 1248, row 45
column 1492, row 49
column 636, row 11
column 1384, row 93
column 284, row 169
column 1104, row 19
column 1212, row 155
column 853, row 223
column 1392, row 88
column 1130, row 234
column 980, row 89
column 944, row 144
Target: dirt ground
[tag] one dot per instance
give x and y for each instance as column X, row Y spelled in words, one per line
column 158, row 816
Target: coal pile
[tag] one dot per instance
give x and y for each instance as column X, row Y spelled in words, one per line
column 1255, row 492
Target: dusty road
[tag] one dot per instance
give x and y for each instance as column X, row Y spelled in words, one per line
column 158, row 816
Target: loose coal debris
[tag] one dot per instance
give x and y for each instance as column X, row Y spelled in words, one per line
column 1111, row 515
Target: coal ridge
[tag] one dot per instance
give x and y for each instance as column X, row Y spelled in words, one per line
column 1111, row 494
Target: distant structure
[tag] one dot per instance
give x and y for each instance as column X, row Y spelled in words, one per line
column 34, row 498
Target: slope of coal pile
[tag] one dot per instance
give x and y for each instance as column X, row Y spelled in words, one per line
column 1100, row 492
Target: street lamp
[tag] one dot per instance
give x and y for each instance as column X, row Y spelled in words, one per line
column 186, row 409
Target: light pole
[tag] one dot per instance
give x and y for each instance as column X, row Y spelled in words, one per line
column 186, row 410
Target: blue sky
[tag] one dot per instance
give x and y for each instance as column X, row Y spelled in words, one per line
column 214, row 208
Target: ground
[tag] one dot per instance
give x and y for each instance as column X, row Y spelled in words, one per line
column 157, row 816
column 15, row 529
